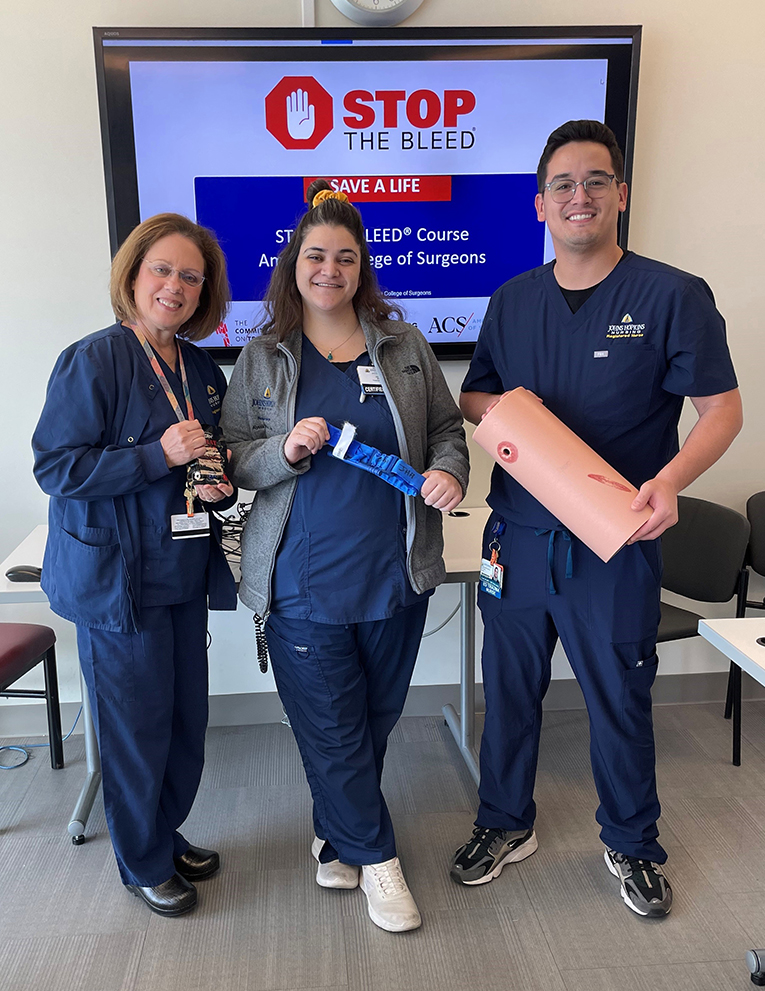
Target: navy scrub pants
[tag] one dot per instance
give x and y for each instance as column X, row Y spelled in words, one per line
column 606, row 616
column 148, row 692
column 343, row 688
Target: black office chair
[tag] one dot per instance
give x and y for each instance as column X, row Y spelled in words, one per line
column 755, row 511
column 755, row 559
column 704, row 559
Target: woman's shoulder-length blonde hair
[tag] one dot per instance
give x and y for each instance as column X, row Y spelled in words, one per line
column 215, row 295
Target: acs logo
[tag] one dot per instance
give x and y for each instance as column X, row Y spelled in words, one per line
column 299, row 112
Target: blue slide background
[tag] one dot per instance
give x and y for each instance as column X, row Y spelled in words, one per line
column 497, row 210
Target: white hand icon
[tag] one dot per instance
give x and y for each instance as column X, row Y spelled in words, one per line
column 300, row 115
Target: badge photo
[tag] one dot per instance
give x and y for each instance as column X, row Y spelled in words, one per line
column 492, row 576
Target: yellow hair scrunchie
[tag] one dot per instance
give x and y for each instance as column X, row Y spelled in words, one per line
column 328, row 194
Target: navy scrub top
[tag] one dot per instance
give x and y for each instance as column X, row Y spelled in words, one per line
column 342, row 558
column 173, row 570
column 615, row 372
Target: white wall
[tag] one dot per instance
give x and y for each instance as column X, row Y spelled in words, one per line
column 698, row 202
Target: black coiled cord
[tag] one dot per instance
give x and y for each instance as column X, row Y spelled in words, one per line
column 261, row 644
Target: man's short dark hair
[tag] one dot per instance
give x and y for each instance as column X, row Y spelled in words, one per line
column 581, row 130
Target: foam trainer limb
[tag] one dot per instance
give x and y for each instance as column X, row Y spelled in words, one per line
column 575, row 484
column 388, row 467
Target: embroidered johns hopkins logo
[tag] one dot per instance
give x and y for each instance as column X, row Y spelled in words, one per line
column 213, row 398
column 627, row 327
column 264, row 404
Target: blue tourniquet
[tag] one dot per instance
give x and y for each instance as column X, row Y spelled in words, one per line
column 388, row 467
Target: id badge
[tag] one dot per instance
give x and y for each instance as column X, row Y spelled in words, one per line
column 182, row 526
column 492, row 576
column 369, row 380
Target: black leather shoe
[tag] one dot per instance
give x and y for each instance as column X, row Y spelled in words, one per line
column 177, row 896
column 197, row 864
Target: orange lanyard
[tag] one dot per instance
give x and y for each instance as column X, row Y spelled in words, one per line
column 163, row 378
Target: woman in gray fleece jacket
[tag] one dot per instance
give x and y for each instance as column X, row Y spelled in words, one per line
column 338, row 563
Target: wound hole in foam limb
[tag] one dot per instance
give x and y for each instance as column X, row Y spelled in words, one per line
column 507, row 452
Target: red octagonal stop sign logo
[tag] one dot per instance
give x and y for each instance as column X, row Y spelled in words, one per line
column 299, row 112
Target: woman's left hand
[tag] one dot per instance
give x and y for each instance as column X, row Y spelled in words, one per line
column 441, row 490
column 214, row 493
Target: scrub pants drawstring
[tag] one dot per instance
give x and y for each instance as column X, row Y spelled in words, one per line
column 551, row 555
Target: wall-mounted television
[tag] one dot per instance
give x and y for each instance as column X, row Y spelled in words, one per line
column 434, row 133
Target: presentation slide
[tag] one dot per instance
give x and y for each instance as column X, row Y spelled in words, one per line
column 440, row 158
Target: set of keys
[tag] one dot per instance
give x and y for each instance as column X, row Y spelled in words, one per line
column 209, row 469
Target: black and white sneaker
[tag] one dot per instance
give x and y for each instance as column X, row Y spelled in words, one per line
column 644, row 888
column 487, row 851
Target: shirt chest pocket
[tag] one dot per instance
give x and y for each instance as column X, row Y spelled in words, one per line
column 136, row 427
column 620, row 382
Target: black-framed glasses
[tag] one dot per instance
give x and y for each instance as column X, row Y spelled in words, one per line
column 562, row 190
column 188, row 276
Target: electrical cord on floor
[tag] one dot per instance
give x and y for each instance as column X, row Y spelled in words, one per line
column 448, row 619
column 34, row 746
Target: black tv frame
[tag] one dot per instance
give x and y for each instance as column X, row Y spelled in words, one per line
column 115, row 109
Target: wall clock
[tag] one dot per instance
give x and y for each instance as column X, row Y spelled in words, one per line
column 377, row 12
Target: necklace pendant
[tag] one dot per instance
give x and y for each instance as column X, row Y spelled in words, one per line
column 329, row 356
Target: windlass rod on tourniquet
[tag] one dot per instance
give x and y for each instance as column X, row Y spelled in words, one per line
column 388, row 467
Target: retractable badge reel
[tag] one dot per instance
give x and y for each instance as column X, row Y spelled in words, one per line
column 492, row 572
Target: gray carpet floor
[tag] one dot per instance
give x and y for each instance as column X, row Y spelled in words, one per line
column 555, row 921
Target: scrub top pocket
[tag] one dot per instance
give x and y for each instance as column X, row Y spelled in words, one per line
column 620, row 385
column 290, row 591
column 84, row 577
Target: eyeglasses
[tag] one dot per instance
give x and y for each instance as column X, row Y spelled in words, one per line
column 596, row 186
column 188, row 276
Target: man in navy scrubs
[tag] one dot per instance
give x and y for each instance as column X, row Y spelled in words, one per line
column 612, row 343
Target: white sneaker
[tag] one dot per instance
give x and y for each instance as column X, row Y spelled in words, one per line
column 334, row 874
column 390, row 901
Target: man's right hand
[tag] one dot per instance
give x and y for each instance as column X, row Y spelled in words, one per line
column 183, row 442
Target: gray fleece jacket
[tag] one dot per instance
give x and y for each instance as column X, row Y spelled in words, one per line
column 259, row 413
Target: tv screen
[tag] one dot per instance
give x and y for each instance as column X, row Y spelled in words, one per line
column 434, row 134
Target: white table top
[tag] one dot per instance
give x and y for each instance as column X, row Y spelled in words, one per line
column 737, row 639
column 462, row 544
column 29, row 551
column 462, row 554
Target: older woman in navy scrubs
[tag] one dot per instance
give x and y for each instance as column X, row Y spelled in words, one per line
column 339, row 562
column 122, row 419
